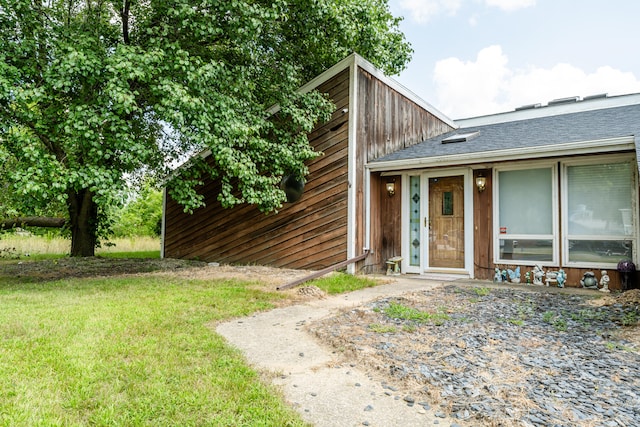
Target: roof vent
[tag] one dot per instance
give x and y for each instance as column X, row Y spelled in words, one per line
column 528, row 107
column 568, row 100
column 460, row 137
column 597, row 96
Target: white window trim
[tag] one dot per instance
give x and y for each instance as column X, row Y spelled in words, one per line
column 564, row 185
column 553, row 165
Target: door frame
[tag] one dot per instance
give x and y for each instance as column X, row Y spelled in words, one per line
column 425, row 175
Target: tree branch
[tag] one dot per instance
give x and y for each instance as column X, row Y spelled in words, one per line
column 33, row 221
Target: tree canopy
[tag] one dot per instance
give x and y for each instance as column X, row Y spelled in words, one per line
column 96, row 92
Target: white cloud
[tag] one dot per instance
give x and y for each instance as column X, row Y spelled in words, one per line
column 423, row 10
column 510, row 5
column 487, row 85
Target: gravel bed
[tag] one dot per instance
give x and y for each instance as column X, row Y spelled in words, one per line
column 500, row 356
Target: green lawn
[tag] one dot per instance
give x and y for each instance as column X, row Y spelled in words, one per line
column 139, row 351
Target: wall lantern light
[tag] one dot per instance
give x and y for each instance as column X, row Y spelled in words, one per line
column 481, row 183
column 391, row 188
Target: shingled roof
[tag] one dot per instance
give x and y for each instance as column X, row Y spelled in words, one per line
column 530, row 135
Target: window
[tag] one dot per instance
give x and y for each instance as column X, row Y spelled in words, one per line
column 525, row 215
column 598, row 213
column 594, row 199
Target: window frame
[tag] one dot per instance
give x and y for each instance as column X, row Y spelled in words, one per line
column 497, row 235
column 564, row 212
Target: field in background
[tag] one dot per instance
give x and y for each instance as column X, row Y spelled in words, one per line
column 17, row 246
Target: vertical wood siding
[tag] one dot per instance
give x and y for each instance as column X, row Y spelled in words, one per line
column 386, row 223
column 308, row 234
column 387, row 121
column 483, row 228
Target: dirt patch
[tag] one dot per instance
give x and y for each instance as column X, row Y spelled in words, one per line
column 265, row 278
column 64, row 268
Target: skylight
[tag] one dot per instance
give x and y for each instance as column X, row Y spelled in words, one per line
column 460, row 137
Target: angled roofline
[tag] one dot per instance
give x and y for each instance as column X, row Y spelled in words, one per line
column 553, row 108
column 358, row 61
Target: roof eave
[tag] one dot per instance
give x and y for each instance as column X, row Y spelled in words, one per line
column 570, row 148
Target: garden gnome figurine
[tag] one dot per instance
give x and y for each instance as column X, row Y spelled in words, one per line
column 538, row 274
column 561, row 278
column 527, row 277
column 498, row 276
column 604, row 281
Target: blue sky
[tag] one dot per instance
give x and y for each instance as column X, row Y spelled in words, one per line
column 476, row 57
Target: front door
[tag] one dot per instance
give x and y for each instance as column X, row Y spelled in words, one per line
column 446, row 222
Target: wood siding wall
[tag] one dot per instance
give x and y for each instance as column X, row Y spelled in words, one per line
column 386, row 222
column 483, row 228
column 387, row 121
column 308, row 234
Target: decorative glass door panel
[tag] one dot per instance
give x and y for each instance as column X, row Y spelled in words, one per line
column 414, row 221
column 446, row 222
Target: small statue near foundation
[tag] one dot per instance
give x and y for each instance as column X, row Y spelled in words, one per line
column 538, row 274
column 589, row 280
column 497, row 278
column 527, row 277
column 604, row 281
column 561, row 278
column 514, row 275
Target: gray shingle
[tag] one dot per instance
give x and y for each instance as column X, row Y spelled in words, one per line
column 559, row 129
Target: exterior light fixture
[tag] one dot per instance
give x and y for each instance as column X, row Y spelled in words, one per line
column 481, row 183
column 391, row 188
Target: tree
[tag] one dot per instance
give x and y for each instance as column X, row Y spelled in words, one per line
column 141, row 215
column 94, row 91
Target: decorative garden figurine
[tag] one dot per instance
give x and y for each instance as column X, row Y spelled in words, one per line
column 498, row 276
column 514, row 275
column 589, row 280
column 626, row 268
column 527, row 277
column 561, row 278
column 604, row 281
column 550, row 276
column 504, row 275
column 538, row 274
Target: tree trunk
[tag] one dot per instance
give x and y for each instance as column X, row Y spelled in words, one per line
column 83, row 217
column 33, row 221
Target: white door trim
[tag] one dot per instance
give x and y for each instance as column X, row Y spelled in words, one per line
column 467, row 174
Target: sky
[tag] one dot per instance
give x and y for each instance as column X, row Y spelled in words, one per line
column 479, row 57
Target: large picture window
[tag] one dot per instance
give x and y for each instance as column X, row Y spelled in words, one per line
column 598, row 212
column 525, row 220
column 593, row 199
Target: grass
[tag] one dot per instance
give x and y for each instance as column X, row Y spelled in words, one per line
column 136, row 351
column 340, row 282
column 46, row 247
column 403, row 312
column 382, row 329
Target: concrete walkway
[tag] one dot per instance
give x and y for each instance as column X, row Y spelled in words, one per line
column 325, row 389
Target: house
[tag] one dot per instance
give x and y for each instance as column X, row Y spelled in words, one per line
column 554, row 186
